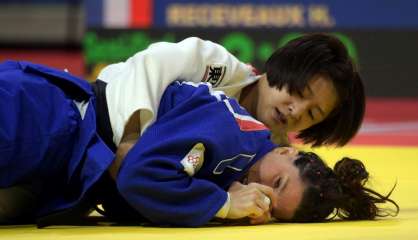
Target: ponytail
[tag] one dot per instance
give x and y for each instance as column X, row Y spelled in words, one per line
column 358, row 201
column 340, row 191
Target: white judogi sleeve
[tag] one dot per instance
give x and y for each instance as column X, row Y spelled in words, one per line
column 139, row 82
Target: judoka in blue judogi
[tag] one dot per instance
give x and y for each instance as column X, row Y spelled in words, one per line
column 177, row 173
column 47, row 137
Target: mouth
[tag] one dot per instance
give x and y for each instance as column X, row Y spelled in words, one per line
column 279, row 117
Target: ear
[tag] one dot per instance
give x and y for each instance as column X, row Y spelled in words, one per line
column 286, row 151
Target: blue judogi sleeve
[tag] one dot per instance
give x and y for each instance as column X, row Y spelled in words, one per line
column 152, row 178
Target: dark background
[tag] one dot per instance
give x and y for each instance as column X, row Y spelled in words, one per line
column 387, row 60
column 74, row 34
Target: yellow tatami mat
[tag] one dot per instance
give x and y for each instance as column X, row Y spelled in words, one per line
column 386, row 165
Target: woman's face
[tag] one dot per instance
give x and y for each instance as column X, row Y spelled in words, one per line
column 276, row 170
column 281, row 111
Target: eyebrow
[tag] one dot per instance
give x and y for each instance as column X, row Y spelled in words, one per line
column 318, row 107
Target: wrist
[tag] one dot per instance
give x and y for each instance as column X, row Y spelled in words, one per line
column 223, row 212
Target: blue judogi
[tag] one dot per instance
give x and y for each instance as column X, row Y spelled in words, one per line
column 152, row 178
column 44, row 136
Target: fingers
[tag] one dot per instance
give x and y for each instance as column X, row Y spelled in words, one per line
column 265, row 218
column 262, row 202
column 236, row 186
column 266, row 190
column 251, row 200
column 260, row 199
column 256, row 212
column 267, row 200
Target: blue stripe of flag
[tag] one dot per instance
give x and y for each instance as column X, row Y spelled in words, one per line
column 94, row 13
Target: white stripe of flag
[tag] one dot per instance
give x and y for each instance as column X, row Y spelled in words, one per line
column 117, row 13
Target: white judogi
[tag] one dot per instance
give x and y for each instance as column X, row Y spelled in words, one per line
column 139, row 82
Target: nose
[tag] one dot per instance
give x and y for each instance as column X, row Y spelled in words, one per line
column 297, row 109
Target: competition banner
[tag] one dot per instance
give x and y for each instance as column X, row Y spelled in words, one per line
column 380, row 35
column 386, row 59
column 253, row 47
column 301, row 14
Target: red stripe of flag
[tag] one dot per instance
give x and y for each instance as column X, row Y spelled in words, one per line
column 141, row 13
column 248, row 125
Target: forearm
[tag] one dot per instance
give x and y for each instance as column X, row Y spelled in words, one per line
column 129, row 139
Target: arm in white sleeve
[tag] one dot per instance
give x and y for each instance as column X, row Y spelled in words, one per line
column 139, row 83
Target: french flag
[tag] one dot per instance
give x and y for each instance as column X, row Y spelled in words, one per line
column 119, row 13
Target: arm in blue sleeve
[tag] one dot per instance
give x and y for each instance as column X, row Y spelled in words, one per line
column 156, row 185
column 151, row 177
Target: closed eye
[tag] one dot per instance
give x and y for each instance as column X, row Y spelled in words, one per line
column 281, row 183
column 311, row 115
column 277, row 183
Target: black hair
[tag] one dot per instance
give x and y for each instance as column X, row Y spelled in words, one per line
column 303, row 58
column 340, row 191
